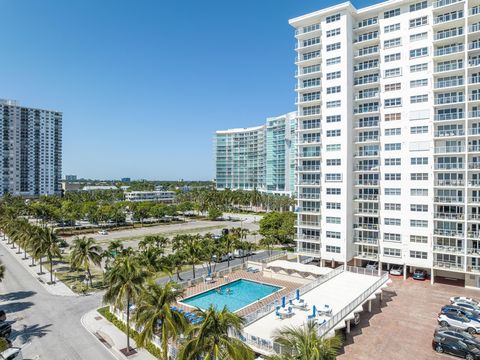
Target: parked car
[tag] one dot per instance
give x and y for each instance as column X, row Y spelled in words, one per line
column 5, row 329
column 13, row 353
column 372, row 265
column 456, row 334
column 459, row 321
column 216, row 236
column 222, row 258
column 467, row 306
column 419, row 274
column 453, row 309
column 455, row 347
column 464, row 299
column 396, row 270
column 103, row 232
column 3, row 315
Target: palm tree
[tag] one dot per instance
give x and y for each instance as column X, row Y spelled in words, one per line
column 210, row 339
column 49, row 247
column 85, row 251
column 304, row 343
column 155, row 316
column 268, row 241
column 190, row 247
column 124, row 280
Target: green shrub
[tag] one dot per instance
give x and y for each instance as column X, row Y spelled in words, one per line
column 149, row 346
column 3, row 344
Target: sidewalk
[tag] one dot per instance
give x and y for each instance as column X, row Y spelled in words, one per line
column 111, row 336
column 59, row 288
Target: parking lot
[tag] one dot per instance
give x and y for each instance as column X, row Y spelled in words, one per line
column 402, row 327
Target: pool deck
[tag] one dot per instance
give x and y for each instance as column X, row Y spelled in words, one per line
column 287, row 287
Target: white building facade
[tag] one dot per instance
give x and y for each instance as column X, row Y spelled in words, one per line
column 157, row 195
column 30, row 150
column 388, row 161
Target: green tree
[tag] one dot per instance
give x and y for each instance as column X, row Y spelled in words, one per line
column 156, row 317
column 210, row 338
column 214, row 213
column 268, row 241
column 280, row 225
column 51, row 250
column 85, row 251
column 304, row 343
column 190, row 247
column 125, row 282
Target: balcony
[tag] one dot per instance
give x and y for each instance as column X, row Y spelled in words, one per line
column 473, row 234
column 308, row 196
column 474, row 79
column 474, row 217
column 449, row 149
column 308, row 224
column 301, row 237
column 449, row 83
column 309, row 182
column 366, row 255
column 365, row 211
column 449, row 133
column 366, row 124
column 448, row 18
column 451, row 183
column 473, row 251
column 448, row 34
column 368, row 182
column 303, row 46
column 365, row 197
column 365, row 240
column 449, row 166
column 369, row 51
column 366, row 95
column 448, row 216
column 474, row 114
column 449, row 50
column 370, row 37
column 310, row 30
column 366, row 168
column 364, row 139
column 445, row 100
column 449, row 199
column 366, row 153
column 369, row 65
column 305, row 168
column 366, row 80
column 474, row 45
column 373, row 227
column 308, row 100
column 474, row 200
column 474, row 165
column 305, row 59
column 307, row 141
column 445, row 3
column 448, row 249
column 448, row 265
column 449, row 66
column 308, row 252
column 366, row 110
column 448, row 232
column 450, row 116
column 309, row 155
column 474, row 97
column 474, row 62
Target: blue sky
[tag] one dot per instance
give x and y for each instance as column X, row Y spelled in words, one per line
column 143, row 84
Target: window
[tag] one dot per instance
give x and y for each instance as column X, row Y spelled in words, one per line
column 419, row 207
column 332, row 220
column 418, row 99
column 420, row 52
column 419, row 176
column 393, row 87
column 392, row 237
column 418, row 254
column 311, row 55
column 333, row 177
column 312, row 41
column 333, row 32
column 333, row 206
column 334, row 162
column 387, row 44
column 393, row 191
column 332, row 234
column 333, row 133
column 334, row 75
column 333, row 89
column 393, row 162
column 393, row 176
column 418, row 239
column 419, row 67
column 311, row 28
column 311, row 82
column 311, row 69
column 393, row 206
column 333, row 147
column 395, row 102
column 334, row 46
column 418, row 6
column 392, row 57
column 333, row 249
column 392, row 221
column 368, row 22
column 391, row 13
column 392, row 252
column 393, row 72
column 334, row 191
column 334, row 118
column 421, row 21
column 394, row 131
column 334, row 104
column 418, row 83
column 418, row 223
column 332, row 18
column 419, row 192
column 418, row 36
column 334, row 60
column 419, row 130
column 393, row 117
column 390, row 28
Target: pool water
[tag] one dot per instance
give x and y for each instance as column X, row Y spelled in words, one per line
column 234, row 295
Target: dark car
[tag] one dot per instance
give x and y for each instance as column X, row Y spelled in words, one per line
column 3, row 315
column 5, row 329
column 419, row 275
column 455, row 347
column 454, row 309
column 456, row 334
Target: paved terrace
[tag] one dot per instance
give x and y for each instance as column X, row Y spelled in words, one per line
column 288, row 287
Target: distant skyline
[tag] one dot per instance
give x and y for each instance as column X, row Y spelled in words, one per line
column 143, row 85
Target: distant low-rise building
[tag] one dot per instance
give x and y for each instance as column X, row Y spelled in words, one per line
column 163, row 196
column 70, row 177
column 125, row 179
column 98, row 187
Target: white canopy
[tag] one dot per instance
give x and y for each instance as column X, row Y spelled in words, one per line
column 299, row 267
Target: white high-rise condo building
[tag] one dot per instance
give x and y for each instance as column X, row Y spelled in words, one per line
column 30, row 150
column 388, row 140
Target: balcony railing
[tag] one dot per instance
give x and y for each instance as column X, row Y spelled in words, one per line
column 474, row 62
column 449, row 166
column 366, row 255
column 474, row 45
column 366, row 168
column 309, row 182
column 308, row 196
column 457, row 65
column 448, row 249
column 368, row 123
column 366, row 109
column 474, row 97
column 362, row 139
column 365, row 240
column 367, row 95
column 473, row 216
column 368, row 51
column 448, row 34
column 449, row 99
column 308, row 168
column 473, row 234
column 449, row 183
column 366, row 227
column 474, row 114
column 366, row 153
column 365, row 211
column 448, row 17
column 449, row 199
column 308, row 223
column 474, row 10
column 448, row 216
column 448, row 232
column 474, row 200
column 441, row 3
column 449, row 133
column 366, row 197
column 474, row 80
column 449, row 116
column 448, row 265
column 449, row 50
column 449, row 149
column 367, row 182
column 474, row 165
column 308, row 237
column 449, row 83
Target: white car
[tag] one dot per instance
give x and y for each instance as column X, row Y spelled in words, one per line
column 372, row 265
column 464, row 299
column 467, row 306
column 396, row 270
column 103, row 232
column 459, row 321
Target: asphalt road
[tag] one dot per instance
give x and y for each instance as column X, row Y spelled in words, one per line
column 49, row 325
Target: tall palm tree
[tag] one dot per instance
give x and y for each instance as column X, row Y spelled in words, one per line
column 304, row 343
column 49, row 245
column 210, row 338
column 85, row 251
column 155, row 316
column 125, row 282
column 190, row 247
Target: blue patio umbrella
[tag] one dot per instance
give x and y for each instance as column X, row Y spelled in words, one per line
column 314, row 310
column 298, row 294
column 283, row 301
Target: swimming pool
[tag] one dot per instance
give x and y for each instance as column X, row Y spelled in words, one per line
column 234, row 295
